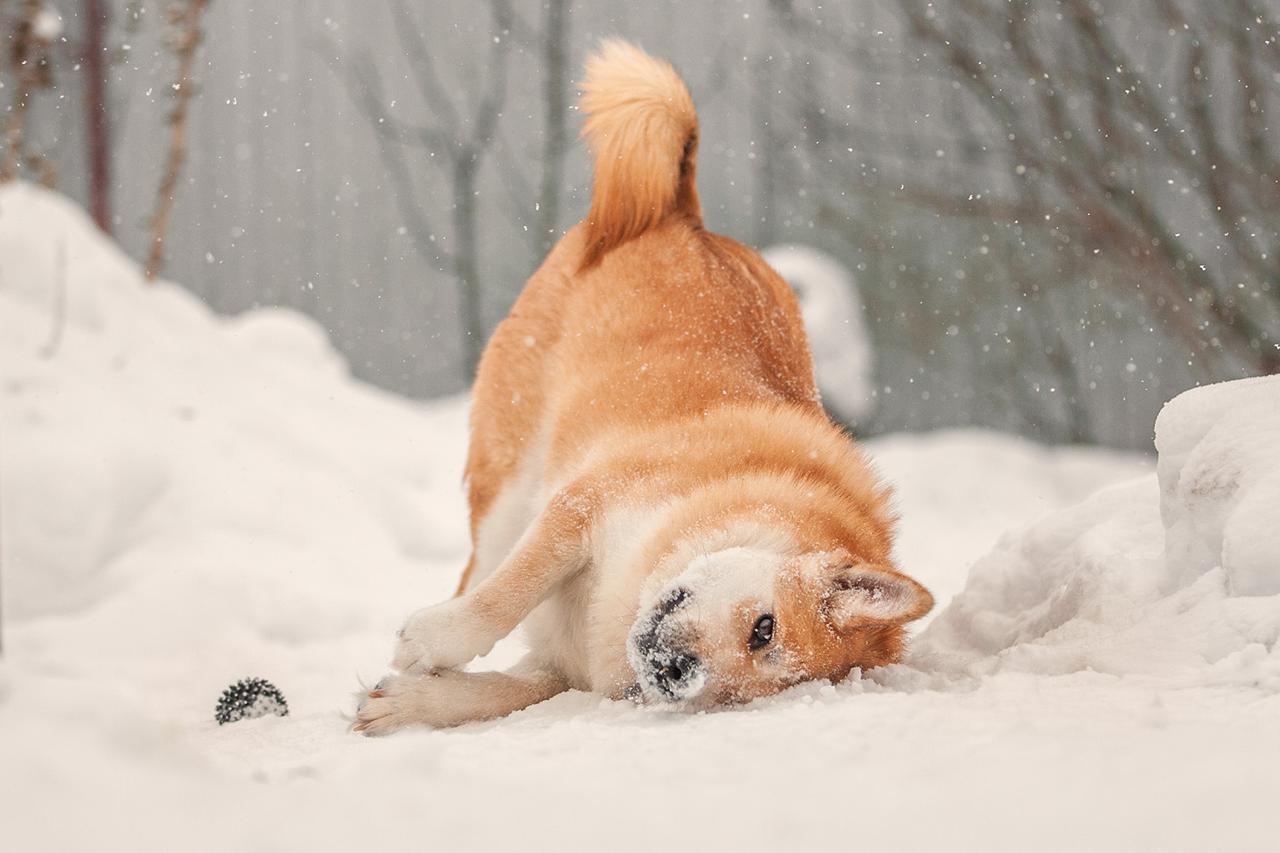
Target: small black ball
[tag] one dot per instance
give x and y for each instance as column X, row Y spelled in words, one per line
column 249, row 698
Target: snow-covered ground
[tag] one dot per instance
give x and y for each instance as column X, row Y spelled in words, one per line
column 186, row 500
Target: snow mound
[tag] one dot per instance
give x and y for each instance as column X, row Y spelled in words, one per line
column 842, row 358
column 281, row 335
column 1174, row 577
column 51, row 253
column 157, row 457
column 1220, row 483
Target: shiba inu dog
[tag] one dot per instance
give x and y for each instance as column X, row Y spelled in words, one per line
column 656, row 493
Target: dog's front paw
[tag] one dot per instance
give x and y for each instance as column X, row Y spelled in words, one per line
column 379, row 714
column 446, row 635
column 387, row 707
column 399, row 701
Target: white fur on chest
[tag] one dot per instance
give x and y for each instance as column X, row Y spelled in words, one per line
column 555, row 630
column 582, row 627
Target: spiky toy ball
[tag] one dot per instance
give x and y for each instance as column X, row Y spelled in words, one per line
column 249, row 698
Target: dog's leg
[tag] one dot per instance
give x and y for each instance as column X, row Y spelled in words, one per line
column 456, row 631
column 466, row 575
column 450, row 698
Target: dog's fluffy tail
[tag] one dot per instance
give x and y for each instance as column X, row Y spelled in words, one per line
column 643, row 133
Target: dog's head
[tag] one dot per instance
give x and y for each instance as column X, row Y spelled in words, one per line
column 730, row 625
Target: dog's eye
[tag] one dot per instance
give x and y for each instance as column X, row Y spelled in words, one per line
column 762, row 632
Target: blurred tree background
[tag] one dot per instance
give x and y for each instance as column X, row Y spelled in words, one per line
column 1059, row 213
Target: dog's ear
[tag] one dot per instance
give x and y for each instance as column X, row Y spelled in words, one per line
column 861, row 595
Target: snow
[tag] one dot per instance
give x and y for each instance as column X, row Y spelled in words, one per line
column 47, row 24
column 959, row 490
column 189, row 500
column 1089, row 590
column 842, row 358
column 1220, row 483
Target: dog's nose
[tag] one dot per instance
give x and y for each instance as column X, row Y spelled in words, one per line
column 672, row 601
column 678, row 676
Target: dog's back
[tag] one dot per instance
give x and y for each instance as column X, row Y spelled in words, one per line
column 639, row 315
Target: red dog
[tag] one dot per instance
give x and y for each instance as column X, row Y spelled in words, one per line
column 656, row 492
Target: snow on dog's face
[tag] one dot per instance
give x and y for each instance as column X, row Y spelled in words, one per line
column 742, row 622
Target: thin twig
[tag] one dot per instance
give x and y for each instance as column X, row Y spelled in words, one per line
column 185, row 19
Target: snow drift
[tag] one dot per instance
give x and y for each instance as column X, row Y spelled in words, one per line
column 189, row 499
column 1220, row 484
column 1176, row 576
column 843, row 362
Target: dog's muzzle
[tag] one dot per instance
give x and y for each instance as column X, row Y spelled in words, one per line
column 663, row 664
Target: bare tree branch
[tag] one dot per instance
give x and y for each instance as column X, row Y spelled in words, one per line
column 185, row 19
column 364, row 86
column 30, row 62
column 455, row 145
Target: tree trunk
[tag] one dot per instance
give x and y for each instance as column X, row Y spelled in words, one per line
column 466, row 264
column 96, row 116
column 555, row 140
column 764, row 228
column 187, row 21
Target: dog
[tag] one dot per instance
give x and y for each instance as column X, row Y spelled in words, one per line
column 656, row 493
